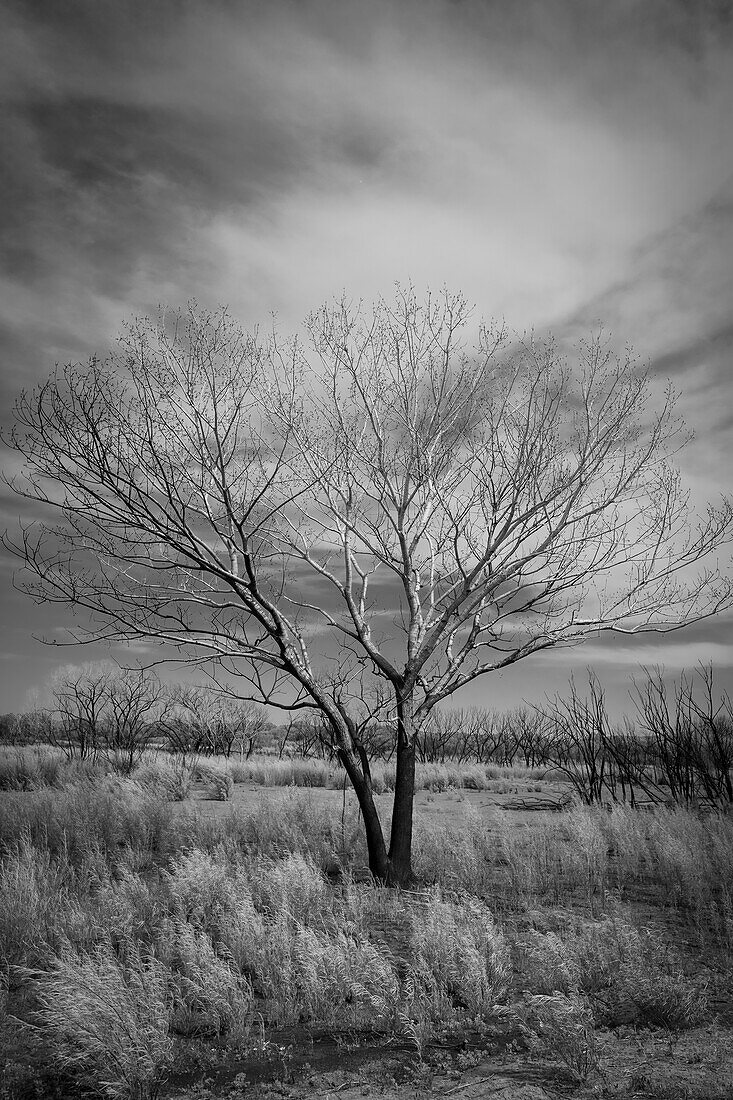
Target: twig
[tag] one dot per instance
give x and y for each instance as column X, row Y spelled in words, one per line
column 468, row 1084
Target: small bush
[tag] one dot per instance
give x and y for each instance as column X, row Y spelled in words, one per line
column 629, row 975
column 561, row 1026
column 169, row 779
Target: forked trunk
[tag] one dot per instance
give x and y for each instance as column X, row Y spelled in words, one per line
column 393, row 868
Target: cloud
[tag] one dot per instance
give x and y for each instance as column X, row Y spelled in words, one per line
column 275, row 155
column 637, row 655
column 673, row 306
column 560, row 161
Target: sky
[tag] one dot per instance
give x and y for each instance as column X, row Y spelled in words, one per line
column 566, row 164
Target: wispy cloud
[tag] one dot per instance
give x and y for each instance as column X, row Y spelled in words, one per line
column 635, row 654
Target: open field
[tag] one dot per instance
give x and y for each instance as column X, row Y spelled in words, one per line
column 177, row 933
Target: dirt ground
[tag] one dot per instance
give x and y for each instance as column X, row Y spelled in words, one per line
column 524, row 801
column 653, row 1065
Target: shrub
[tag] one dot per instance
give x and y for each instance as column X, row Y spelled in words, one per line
column 561, row 1026
column 630, row 975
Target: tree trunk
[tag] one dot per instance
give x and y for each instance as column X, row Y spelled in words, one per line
column 400, row 847
column 393, row 868
column 376, row 848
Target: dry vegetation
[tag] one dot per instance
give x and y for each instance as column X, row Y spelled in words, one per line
column 144, row 934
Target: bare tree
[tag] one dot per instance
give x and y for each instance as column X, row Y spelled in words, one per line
column 217, row 722
column 462, row 733
column 578, row 731
column 529, row 731
column 383, row 508
column 137, row 704
column 30, row 728
column 487, row 731
column 692, row 733
column 309, row 735
column 630, row 764
column 440, row 736
column 714, row 727
column 282, row 735
column 13, row 729
column 81, row 695
column 669, row 718
column 99, row 707
column 38, row 726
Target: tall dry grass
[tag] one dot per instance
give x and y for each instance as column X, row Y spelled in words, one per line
column 32, row 767
column 269, row 771
column 313, row 954
column 627, row 974
column 37, row 905
column 591, row 857
column 239, row 917
column 107, row 1020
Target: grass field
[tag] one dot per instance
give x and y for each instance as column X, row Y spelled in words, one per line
column 212, row 931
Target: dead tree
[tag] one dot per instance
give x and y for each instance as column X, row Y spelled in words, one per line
column 402, row 502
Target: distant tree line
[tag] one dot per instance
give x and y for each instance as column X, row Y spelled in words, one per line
column 101, row 710
column 678, row 747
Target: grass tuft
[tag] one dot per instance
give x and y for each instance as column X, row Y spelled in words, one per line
column 560, row 1025
column 107, row 1020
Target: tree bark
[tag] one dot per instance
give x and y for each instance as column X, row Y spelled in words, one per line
column 379, row 863
column 400, row 847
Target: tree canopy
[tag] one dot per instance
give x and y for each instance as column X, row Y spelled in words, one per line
column 364, row 521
